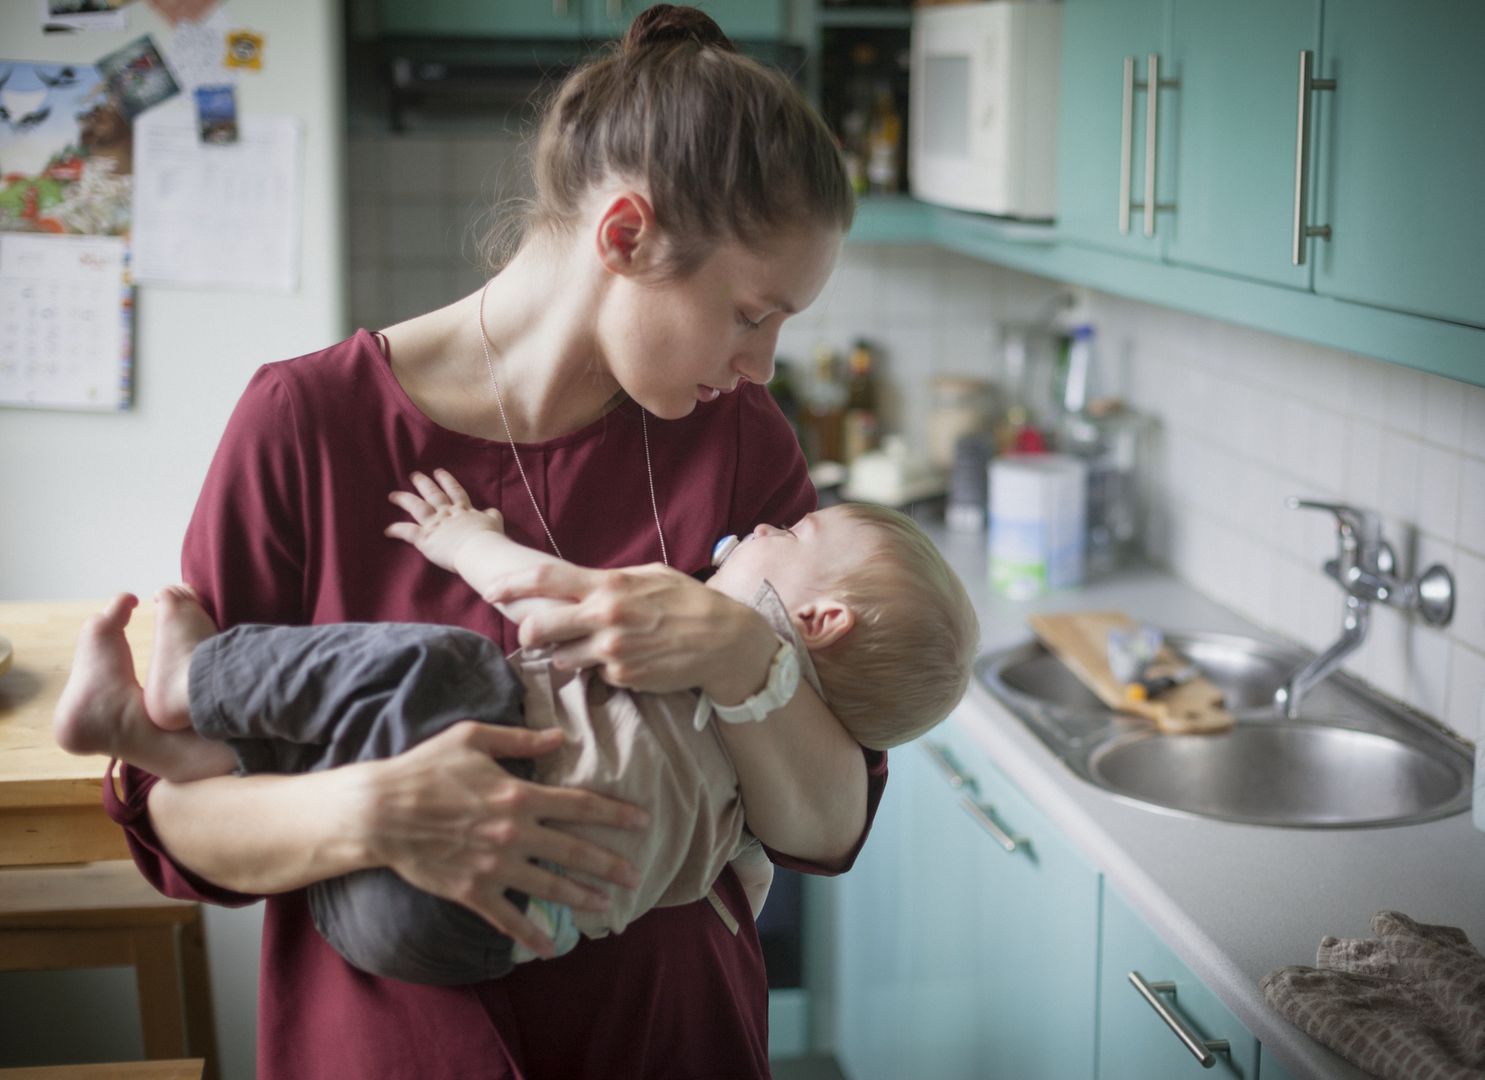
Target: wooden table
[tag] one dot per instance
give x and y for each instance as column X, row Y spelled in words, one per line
column 51, row 808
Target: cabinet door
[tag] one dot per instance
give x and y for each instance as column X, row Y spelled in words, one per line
column 481, row 18
column 1097, row 37
column 1036, row 936
column 741, row 19
column 1235, row 119
column 959, row 959
column 909, row 976
column 1402, row 153
column 1134, row 1042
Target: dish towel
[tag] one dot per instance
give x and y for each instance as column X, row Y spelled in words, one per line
column 1408, row 1004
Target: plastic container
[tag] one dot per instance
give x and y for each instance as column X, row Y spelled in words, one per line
column 1037, row 534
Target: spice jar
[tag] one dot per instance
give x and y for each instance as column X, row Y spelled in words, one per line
column 961, row 405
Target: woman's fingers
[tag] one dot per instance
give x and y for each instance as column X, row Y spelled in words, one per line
column 507, row 918
column 573, row 854
column 554, row 581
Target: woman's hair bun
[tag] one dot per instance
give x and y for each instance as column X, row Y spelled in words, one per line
column 665, row 24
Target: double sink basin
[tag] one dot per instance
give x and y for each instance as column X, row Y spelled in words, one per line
column 1353, row 758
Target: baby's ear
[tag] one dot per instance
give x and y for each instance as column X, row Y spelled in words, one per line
column 822, row 623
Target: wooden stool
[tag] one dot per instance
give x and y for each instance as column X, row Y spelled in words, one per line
column 121, row 1070
column 105, row 914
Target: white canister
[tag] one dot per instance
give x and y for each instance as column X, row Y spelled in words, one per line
column 1037, row 513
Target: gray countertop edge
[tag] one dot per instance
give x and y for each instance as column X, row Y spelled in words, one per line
column 1232, row 901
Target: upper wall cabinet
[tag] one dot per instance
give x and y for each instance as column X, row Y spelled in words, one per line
column 1246, row 140
column 1401, row 156
column 1235, row 115
column 1103, row 129
column 559, row 19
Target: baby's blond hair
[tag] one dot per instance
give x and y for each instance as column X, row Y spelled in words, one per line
column 906, row 661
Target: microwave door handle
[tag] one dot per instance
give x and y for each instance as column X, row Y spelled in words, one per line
column 1126, row 146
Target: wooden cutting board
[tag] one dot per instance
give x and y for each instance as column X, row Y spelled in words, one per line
column 1080, row 640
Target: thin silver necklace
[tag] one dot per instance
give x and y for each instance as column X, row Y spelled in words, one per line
column 500, row 404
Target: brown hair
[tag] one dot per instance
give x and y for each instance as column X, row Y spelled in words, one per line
column 906, row 661
column 727, row 148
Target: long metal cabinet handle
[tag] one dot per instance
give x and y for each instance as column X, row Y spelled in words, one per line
column 940, row 757
column 1151, row 84
column 1302, row 229
column 1152, row 132
column 981, row 813
column 1204, row 1050
column 1126, row 146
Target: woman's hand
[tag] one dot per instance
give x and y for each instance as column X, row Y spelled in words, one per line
column 448, row 819
column 443, row 518
column 647, row 628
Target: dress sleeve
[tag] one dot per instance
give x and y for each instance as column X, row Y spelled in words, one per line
column 243, row 554
column 773, row 487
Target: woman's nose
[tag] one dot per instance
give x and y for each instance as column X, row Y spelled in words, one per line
column 756, row 364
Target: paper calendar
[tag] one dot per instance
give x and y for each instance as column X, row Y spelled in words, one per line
column 66, row 312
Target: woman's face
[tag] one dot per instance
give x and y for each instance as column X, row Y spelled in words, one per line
column 676, row 345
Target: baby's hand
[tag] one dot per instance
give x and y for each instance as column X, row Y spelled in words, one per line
column 442, row 518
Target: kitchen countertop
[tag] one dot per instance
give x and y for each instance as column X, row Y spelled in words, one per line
column 1233, row 901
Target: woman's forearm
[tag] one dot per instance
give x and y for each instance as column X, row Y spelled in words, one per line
column 802, row 779
column 265, row 834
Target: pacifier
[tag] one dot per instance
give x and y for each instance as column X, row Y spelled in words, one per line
column 723, row 548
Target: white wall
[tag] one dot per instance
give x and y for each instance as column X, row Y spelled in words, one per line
column 92, row 504
column 97, row 503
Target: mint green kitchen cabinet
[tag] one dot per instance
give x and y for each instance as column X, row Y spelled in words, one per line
column 1235, row 119
column 1102, row 133
column 1137, row 1042
column 959, row 957
column 1401, row 154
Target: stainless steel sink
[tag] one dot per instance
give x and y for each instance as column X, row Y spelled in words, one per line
column 1352, row 758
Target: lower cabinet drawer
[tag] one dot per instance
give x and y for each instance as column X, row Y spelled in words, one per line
column 1156, row 1018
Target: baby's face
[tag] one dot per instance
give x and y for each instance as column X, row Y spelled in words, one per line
column 800, row 561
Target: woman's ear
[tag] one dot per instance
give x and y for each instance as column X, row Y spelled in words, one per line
column 822, row 623
column 626, row 233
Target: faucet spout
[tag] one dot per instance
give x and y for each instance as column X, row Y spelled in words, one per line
column 1288, row 697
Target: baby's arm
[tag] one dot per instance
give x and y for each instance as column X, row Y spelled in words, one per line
column 472, row 543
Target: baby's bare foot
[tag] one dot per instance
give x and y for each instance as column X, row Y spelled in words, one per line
column 181, row 623
column 102, row 696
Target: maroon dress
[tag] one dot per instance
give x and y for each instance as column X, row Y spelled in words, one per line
column 288, row 530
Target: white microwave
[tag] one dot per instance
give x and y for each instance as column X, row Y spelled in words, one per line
column 983, row 100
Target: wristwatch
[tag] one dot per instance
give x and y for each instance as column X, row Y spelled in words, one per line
column 778, row 691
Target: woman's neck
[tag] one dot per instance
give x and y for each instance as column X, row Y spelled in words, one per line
column 538, row 319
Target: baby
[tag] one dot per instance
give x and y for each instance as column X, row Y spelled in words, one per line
column 865, row 608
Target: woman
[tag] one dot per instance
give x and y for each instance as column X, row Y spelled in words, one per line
column 604, row 390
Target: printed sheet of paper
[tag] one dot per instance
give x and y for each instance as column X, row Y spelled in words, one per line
column 66, row 322
column 223, row 216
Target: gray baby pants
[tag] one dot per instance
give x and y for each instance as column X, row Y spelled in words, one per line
column 293, row 699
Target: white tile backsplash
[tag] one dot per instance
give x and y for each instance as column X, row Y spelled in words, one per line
column 1244, row 418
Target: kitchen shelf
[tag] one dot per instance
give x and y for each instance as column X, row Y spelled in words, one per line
column 1454, row 350
column 864, row 17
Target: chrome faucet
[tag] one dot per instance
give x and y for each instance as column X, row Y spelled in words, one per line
column 1365, row 567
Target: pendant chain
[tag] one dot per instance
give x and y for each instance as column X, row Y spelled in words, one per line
column 500, row 404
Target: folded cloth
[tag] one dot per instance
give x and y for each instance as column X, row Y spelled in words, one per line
column 1407, row 1005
